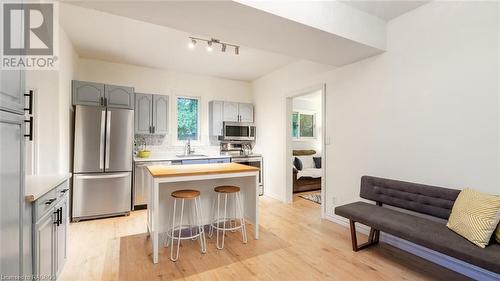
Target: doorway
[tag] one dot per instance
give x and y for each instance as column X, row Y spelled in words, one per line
column 305, row 146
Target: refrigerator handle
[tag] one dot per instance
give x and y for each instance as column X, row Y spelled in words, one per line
column 108, row 132
column 101, row 143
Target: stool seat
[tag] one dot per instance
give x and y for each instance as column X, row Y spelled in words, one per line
column 185, row 194
column 227, row 189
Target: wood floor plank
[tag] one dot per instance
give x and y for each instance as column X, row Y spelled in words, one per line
column 295, row 244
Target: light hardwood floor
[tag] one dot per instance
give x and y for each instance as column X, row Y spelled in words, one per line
column 295, row 245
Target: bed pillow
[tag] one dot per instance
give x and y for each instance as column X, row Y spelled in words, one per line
column 307, row 161
column 475, row 216
column 298, row 164
column 317, row 162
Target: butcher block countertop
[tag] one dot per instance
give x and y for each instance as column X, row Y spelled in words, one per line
column 199, row 169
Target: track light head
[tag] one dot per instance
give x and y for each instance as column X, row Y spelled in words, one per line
column 209, row 46
column 236, row 50
column 223, row 48
column 192, row 44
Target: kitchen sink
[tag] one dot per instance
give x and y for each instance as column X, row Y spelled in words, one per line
column 191, row 155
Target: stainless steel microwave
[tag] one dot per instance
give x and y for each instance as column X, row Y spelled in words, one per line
column 238, row 131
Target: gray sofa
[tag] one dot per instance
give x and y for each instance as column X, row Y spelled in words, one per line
column 431, row 233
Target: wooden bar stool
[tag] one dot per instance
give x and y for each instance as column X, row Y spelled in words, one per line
column 192, row 196
column 218, row 220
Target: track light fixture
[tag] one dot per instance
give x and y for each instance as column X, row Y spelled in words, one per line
column 210, row 44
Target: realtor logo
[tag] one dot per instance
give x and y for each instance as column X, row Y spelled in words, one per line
column 28, row 36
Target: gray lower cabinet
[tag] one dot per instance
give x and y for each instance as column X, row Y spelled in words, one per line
column 50, row 232
column 99, row 94
column 151, row 114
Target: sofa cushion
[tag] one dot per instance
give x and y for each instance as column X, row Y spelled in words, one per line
column 297, row 163
column 475, row 216
column 317, row 162
column 425, row 232
column 310, row 172
column 307, row 161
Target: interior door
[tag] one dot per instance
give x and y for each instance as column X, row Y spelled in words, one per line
column 119, row 140
column 89, row 139
column 230, row 113
column 11, row 193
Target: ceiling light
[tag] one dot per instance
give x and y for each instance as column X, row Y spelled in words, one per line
column 223, row 48
column 192, row 44
column 236, row 50
column 209, row 46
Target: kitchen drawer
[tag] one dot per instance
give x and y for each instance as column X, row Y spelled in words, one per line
column 62, row 189
column 45, row 204
column 219, row 160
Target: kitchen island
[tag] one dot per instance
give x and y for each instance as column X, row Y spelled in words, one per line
column 203, row 177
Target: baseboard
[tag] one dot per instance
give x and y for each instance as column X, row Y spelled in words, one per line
column 453, row 264
column 345, row 222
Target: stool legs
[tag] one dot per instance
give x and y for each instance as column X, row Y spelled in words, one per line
column 223, row 218
column 194, row 219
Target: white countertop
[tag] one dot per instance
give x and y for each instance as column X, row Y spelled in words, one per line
column 173, row 156
column 38, row 185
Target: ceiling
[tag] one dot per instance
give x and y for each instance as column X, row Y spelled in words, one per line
column 99, row 35
column 386, row 10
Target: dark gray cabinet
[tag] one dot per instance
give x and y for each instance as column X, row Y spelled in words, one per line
column 98, row 94
column 151, row 114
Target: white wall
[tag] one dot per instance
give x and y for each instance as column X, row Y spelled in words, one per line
column 155, row 81
column 426, row 111
column 310, row 103
column 53, row 119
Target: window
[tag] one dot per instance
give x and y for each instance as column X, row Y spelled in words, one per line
column 303, row 125
column 188, row 124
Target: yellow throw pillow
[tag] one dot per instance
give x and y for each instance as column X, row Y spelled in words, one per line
column 475, row 216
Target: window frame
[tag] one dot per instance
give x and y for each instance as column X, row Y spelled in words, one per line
column 176, row 135
column 304, row 112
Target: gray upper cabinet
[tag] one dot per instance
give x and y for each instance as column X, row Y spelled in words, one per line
column 230, row 112
column 160, row 114
column 88, row 93
column 12, row 90
column 245, row 111
column 119, row 96
column 215, row 118
column 98, row 94
column 151, row 114
column 143, row 113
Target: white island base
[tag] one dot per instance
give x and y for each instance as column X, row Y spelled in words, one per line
column 204, row 178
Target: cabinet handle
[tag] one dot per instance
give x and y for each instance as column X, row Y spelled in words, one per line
column 56, row 222
column 105, row 101
column 48, row 202
column 154, row 129
column 60, row 216
column 30, row 135
column 64, row 190
column 30, row 103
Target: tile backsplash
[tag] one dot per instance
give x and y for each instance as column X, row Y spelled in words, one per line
column 160, row 144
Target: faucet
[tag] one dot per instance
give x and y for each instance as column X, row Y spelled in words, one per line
column 187, row 148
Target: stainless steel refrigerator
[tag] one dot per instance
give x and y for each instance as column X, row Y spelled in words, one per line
column 102, row 164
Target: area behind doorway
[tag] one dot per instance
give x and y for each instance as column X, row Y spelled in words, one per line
column 305, row 147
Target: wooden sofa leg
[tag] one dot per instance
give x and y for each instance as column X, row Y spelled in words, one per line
column 373, row 237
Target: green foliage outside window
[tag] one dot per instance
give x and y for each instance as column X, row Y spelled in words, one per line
column 187, row 119
column 303, row 125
